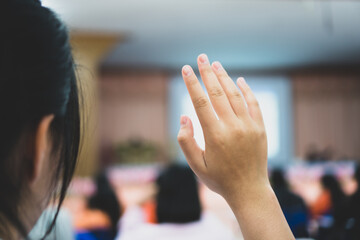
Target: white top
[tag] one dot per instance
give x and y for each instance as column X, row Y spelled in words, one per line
column 62, row 230
column 132, row 227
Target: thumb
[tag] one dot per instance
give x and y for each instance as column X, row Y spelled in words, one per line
column 193, row 153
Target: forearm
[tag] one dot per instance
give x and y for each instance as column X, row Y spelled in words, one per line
column 259, row 215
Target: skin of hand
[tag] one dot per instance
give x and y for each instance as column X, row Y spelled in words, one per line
column 234, row 162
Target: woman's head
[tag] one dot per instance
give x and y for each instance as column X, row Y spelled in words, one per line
column 106, row 201
column 40, row 122
column 331, row 184
column 178, row 197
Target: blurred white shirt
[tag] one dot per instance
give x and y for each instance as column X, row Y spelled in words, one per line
column 63, row 228
column 209, row 227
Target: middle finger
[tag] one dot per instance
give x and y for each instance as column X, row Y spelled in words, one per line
column 216, row 93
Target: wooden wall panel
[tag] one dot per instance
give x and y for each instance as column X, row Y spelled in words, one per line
column 133, row 106
column 327, row 113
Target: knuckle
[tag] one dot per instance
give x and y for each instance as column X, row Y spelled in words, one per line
column 262, row 133
column 237, row 94
column 206, row 70
column 217, row 138
column 192, row 82
column 216, row 92
column 258, row 132
column 200, row 102
column 239, row 131
column 222, row 74
column 181, row 137
column 254, row 102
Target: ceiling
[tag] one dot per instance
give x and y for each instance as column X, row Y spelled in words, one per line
column 242, row 34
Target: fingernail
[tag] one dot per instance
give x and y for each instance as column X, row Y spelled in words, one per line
column 183, row 121
column 203, row 59
column 217, row 65
column 187, row 70
column 242, row 81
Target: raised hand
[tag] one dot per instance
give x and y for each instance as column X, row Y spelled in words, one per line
column 234, row 161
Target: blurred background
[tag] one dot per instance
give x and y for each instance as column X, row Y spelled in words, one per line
column 301, row 58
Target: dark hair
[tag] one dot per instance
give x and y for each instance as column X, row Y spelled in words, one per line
column 357, row 173
column 330, row 183
column 277, row 179
column 178, row 197
column 106, row 201
column 37, row 78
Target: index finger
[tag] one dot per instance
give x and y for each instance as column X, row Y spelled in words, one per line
column 217, row 95
column 199, row 99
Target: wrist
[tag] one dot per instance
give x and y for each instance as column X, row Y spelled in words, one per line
column 259, row 214
column 253, row 195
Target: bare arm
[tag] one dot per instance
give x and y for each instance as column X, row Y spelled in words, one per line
column 234, row 162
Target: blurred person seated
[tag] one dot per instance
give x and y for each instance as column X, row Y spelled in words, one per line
column 312, row 153
column 353, row 211
column 315, row 155
column 292, row 205
column 99, row 221
column 178, row 213
column 329, row 209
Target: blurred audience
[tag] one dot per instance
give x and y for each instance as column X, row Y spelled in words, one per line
column 100, row 220
column 352, row 211
column 329, row 209
column 292, row 205
column 313, row 154
column 178, row 213
column 177, row 198
column 175, row 211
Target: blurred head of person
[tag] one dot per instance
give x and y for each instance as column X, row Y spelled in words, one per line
column 292, row 205
column 277, row 179
column 331, row 184
column 357, row 175
column 40, row 120
column 178, row 196
column 106, row 201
